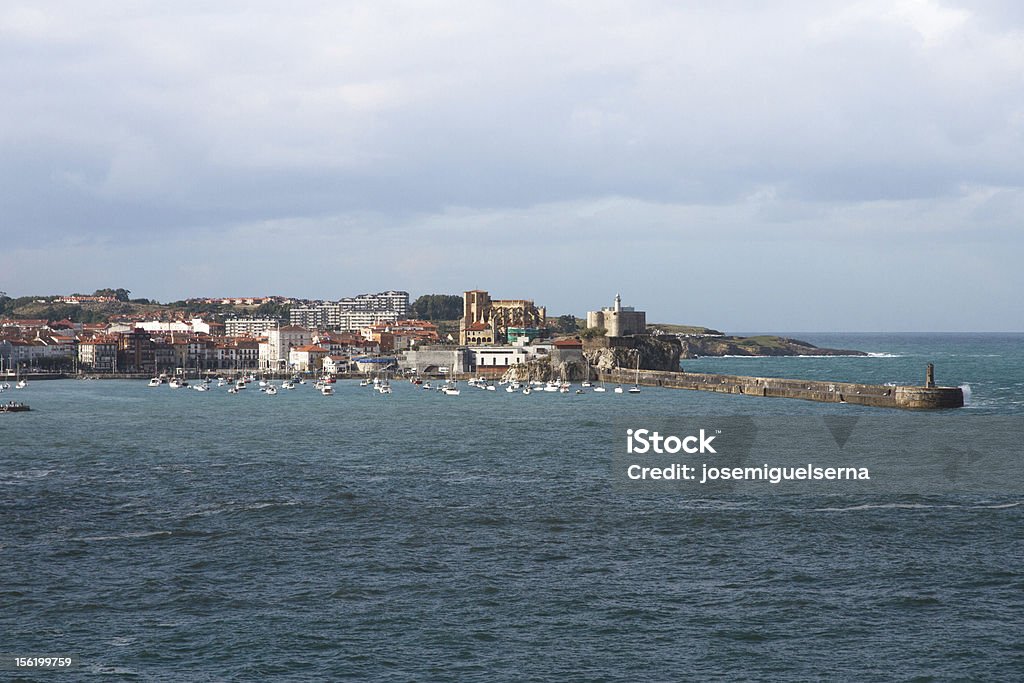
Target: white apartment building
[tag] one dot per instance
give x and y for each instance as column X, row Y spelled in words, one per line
column 352, row 313
column 248, row 327
column 274, row 352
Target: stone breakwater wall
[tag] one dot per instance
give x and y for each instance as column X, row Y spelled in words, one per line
column 875, row 395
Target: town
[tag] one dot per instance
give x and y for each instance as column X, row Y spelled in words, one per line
column 375, row 335
column 367, row 333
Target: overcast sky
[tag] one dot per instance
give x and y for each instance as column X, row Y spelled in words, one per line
column 814, row 166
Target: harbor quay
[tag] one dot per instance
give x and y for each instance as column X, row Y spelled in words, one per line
column 927, row 397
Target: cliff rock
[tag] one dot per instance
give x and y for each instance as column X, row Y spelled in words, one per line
column 695, row 347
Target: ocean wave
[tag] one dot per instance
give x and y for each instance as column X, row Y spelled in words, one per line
column 25, row 475
column 918, row 506
column 233, row 506
column 882, row 354
column 123, row 537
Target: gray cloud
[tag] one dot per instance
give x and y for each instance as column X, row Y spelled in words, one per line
column 454, row 133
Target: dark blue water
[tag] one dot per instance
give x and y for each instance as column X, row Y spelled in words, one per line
column 176, row 535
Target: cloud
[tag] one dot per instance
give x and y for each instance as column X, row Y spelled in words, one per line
column 438, row 128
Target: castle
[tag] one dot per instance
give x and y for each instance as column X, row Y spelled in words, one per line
column 619, row 320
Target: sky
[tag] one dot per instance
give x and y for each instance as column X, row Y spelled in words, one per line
column 785, row 166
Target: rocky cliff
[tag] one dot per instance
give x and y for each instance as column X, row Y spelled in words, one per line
column 695, row 347
column 655, row 353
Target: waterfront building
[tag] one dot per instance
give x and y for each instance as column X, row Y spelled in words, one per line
column 496, row 314
column 98, row 354
column 308, row 358
column 136, row 353
column 432, row 360
column 274, row 352
column 335, row 365
column 497, row 359
column 618, row 320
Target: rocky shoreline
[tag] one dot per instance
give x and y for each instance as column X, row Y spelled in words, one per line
column 697, row 347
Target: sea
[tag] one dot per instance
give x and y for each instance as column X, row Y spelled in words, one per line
column 160, row 534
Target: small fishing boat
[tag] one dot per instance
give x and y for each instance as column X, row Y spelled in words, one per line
column 636, row 383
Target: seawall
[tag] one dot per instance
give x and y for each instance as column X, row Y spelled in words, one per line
column 874, row 395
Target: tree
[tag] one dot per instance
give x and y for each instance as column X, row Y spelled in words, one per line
column 119, row 294
column 592, row 332
column 272, row 310
column 437, row 307
column 566, row 324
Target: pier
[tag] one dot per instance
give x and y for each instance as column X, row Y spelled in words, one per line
column 927, row 397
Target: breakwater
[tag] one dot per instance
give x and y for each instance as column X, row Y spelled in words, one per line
column 928, row 397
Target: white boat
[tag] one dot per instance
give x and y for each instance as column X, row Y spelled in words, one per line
column 177, row 383
column 288, row 385
column 491, row 387
column 585, row 384
column 618, row 390
column 21, row 384
column 239, row 385
column 271, row 390
column 155, row 382
column 232, row 390
column 599, row 390
column 510, row 389
column 221, row 382
column 201, row 387
column 527, row 391
column 450, row 391
column 327, row 390
column 636, row 382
